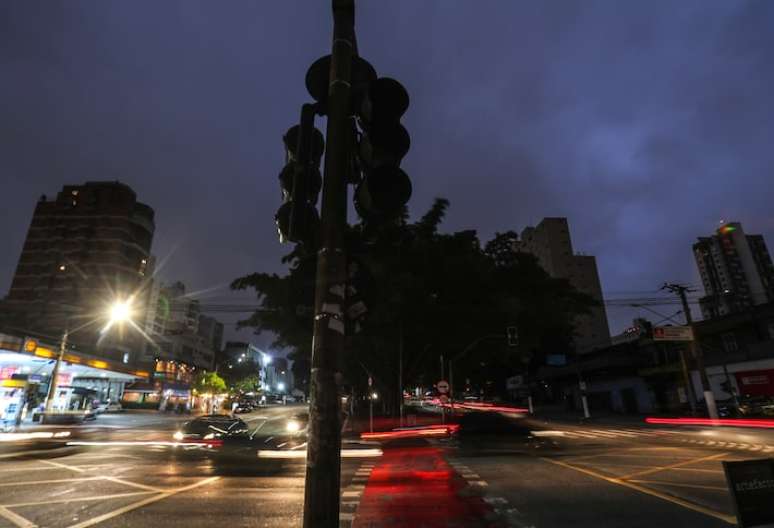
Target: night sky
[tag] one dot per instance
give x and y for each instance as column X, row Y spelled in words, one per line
column 644, row 123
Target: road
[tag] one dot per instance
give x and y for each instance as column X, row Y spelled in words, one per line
column 541, row 474
column 146, row 485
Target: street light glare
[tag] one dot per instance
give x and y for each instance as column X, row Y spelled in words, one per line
column 120, row 312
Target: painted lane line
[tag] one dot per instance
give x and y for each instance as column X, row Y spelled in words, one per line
column 680, row 485
column 479, row 483
column 621, row 431
column 346, row 516
column 135, row 484
column 351, row 493
column 16, row 519
column 471, row 476
column 139, row 504
column 51, row 481
column 350, row 504
column 495, row 500
column 64, row 466
column 658, row 469
column 730, row 519
column 76, row 499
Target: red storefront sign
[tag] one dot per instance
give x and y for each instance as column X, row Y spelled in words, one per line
column 8, row 372
column 756, row 382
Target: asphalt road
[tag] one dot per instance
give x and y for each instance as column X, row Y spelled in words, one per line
column 534, row 473
column 116, row 484
column 602, row 475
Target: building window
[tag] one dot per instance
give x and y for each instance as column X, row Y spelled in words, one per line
column 729, row 342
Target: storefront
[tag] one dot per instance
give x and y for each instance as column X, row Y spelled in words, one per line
column 82, row 380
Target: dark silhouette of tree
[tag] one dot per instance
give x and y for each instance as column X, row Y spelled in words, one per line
column 437, row 292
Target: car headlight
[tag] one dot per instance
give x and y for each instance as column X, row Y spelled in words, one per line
column 293, row 426
column 177, row 436
column 209, row 436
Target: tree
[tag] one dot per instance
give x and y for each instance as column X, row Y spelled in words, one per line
column 434, row 292
column 251, row 383
column 209, row 382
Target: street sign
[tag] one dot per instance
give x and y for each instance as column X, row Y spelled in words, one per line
column 672, row 333
column 443, row 386
column 752, row 489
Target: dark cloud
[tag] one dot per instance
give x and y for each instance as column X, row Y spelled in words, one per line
column 643, row 122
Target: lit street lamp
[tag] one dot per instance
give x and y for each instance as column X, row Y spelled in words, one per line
column 119, row 312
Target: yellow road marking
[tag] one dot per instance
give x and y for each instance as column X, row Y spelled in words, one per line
column 678, row 464
column 16, row 519
column 627, row 455
column 139, row 504
column 680, row 485
column 76, row 499
column 730, row 519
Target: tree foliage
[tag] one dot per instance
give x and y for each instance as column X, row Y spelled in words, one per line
column 209, row 382
column 434, row 294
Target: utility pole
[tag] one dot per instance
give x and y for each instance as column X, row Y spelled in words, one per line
column 400, row 372
column 323, row 460
column 52, row 384
column 682, row 291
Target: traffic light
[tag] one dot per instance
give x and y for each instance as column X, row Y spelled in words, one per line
column 300, row 181
column 513, row 336
column 385, row 188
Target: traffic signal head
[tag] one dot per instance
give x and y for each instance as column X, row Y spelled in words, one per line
column 318, row 79
column 292, row 145
column 300, row 181
column 384, row 142
column 383, row 193
column 385, row 100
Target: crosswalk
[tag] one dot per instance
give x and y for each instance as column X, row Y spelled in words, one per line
column 599, row 434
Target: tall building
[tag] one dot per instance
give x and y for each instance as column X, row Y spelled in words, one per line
column 736, row 271
column 84, row 249
column 211, row 330
column 175, row 329
column 550, row 242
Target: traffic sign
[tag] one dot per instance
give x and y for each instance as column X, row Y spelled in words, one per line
column 443, row 386
column 672, row 333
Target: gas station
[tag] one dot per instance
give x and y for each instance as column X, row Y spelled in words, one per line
column 26, row 366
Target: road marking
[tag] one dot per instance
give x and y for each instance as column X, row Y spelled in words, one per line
column 64, row 466
column 16, row 454
column 135, row 484
column 351, row 493
column 627, row 455
column 495, row 500
column 679, row 464
column 16, row 519
column 680, row 484
column 480, row 483
column 613, row 432
column 139, row 504
column 76, row 499
column 346, row 516
column 52, row 481
column 648, row 491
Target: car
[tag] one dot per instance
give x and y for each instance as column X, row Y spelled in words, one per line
column 297, row 425
column 243, row 407
column 114, row 407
